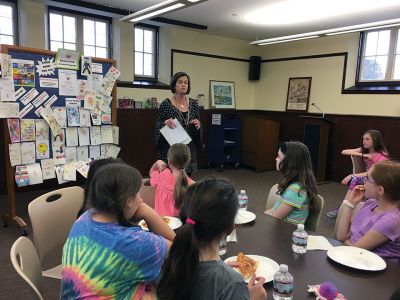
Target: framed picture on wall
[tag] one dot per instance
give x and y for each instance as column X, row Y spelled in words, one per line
column 222, row 94
column 298, row 94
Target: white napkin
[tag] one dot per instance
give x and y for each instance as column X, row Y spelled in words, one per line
column 317, row 242
column 232, row 237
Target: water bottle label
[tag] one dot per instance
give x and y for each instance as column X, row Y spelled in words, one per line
column 283, row 288
column 243, row 200
column 298, row 241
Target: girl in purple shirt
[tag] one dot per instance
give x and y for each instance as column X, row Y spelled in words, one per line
column 376, row 226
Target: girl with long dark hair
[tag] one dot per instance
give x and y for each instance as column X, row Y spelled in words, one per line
column 193, row 269
column 297, row 188
column 105, row 257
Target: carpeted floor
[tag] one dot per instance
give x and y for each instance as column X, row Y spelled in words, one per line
column 257, row 186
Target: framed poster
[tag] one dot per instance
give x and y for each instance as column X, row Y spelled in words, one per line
column 298, row 94
column 222, row 94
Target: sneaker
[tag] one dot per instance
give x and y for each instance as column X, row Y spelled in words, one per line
column 333, row 213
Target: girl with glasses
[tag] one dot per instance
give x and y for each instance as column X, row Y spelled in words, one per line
column 376, row 226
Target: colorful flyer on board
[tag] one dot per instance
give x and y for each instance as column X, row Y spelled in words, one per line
column 9, row 110
column 95, row 135
column 40, row 99
column 113, row 151
column 84, row 117
column 58, row 153
column 69, row 171
column 82, row 89
column 73, row 116
column 14, row 130
column 48, row 115
column 25, row 110
column 90, row 100
column 67, row 59
column 84, row 136
column 23, row 72
column 70, row 154
column 106, row 119
column 27, row 130
column 19, row 92
column 97, row 68
column 7, row 93
column 105, row 102
column 60, row 174
column 82, row 153
column 29, row 96
column 15, row 154
column 48, row 83
column 96, row 118
column 42, row 139
column 71, row 134
column 45, row 67
column 48, row 168
column 83, row 168
column 28, row 153
column 60, row 114
column 51, row 100
column 5, row 66
column 21, row 176
column 106, row 134
column 67, row 82
column 35, row 174
column 107, row 86
column 94, row 151
column 86, row 65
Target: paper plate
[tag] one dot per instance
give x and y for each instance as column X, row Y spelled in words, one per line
column 266, row 266
column 244, row 216
column 174, row 223
column 357, row 258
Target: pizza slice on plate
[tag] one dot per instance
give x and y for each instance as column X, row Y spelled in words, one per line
column 247, row 265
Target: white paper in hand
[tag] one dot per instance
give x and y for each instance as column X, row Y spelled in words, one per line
column 175, row 135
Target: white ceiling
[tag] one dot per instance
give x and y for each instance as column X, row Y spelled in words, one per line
column 226, row 17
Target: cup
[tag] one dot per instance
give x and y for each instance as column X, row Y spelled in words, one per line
column 222, row 246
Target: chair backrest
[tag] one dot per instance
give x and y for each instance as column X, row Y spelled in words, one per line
column 314, row 216
column 52, row 216
column 148, row 192
column 272, row 196
column 339, row 215
column 358, row 164
column 26, row 262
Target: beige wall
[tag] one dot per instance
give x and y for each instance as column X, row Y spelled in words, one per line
column 269, row 93
column 326, row 73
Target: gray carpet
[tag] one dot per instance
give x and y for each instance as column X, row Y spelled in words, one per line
column 257, row 186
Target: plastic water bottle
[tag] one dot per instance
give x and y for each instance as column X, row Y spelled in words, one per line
column 243, row 200
column 299, row 240
column 283, row 284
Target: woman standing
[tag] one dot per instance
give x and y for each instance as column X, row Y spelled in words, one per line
column 186, row 110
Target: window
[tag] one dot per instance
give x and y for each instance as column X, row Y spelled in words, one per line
column 83, row 33
column 62, row 32
column 7, row 29
column 380, row 60
column 95, row 38
column 146, row 52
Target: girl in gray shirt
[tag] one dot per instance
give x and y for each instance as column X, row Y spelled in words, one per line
column 193, row 269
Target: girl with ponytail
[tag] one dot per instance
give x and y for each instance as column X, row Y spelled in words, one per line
column 171, row 181
column 193, row 268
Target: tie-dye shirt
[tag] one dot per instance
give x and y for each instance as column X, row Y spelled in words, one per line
column 109, row 261
column 297, row 198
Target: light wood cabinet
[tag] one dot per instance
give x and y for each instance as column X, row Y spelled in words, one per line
column 259, row 142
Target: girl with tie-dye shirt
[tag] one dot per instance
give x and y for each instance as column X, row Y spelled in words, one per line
column 297, row 188
column 104, row 257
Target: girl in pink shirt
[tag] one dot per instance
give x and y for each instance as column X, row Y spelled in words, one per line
column 372, row 151
column 171, row 181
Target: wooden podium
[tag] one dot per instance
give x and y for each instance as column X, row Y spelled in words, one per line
column 316, row 138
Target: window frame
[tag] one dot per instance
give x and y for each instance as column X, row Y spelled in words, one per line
column 394, row 32
column 14, row 5
column 80, row 16
column 140, row 78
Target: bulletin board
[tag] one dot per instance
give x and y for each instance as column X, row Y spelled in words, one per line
column 40, row 91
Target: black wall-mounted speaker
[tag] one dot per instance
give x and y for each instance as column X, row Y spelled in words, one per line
column 254, row 68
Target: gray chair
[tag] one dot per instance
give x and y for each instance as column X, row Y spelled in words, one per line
column 314, row 215
column 358, row 164
column 148, row 193
column 52, row 216
column 26, row 262
column 272, row 196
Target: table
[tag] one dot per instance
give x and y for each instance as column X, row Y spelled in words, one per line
column 271, row 237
